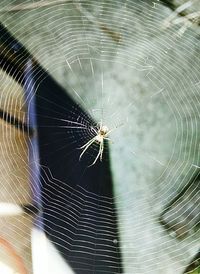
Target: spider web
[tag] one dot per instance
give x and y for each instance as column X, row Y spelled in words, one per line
column 122, row 66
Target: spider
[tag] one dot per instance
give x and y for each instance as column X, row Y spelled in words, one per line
column 101, row 132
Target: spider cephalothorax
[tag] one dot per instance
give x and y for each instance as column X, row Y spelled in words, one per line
column 102, row 132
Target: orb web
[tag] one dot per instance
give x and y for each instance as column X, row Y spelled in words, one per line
column 122, row 66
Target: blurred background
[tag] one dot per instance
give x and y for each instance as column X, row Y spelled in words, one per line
column 66, row 66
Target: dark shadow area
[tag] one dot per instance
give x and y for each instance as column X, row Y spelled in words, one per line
column 78, row 209
column 194, row 265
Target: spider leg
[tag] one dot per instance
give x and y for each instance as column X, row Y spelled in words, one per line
column 113, row 129
column 111, row 141
column 86, row 146
column 94, row 130
column 99, row 153
column 106, row 138
column 88, row 143
column 100, row 124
